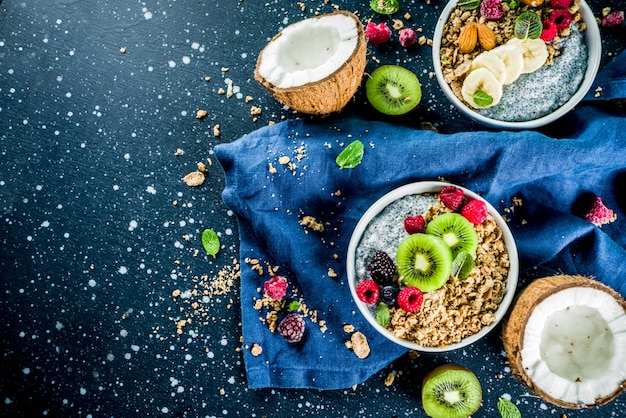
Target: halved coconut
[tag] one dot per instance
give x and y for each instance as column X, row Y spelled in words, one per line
column 565, row 338
column 315, row 65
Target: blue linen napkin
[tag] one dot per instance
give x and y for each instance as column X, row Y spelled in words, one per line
column 270, row 197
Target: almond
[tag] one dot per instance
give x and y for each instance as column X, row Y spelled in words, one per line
column 486, row 37
column 468, row 38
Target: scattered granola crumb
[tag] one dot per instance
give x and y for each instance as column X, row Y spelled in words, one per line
column 311, row 223
column 256, row 350
column 201, row 114
column 207, row 78
column 248, row 99
column 358, row 344
column 202, row 167
column 216, row 131
column 271, row 168
column 284, row 160
column 123, row 50
column 194, row 179
column 229, row 89
column 332, row 273
column 179, row 152
column 390, row 378
column 221, row 91
column 225, row 69
column 255, row 110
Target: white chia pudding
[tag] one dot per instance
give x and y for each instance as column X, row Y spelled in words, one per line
column 540, row 93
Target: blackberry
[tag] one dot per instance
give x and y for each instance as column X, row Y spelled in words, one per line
column 381, row 268
column 292, row 327
column 389, row 295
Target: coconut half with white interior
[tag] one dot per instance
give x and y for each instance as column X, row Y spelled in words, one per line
column 565, row 338
column 315, row 65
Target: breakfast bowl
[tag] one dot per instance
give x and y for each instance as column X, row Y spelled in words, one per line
column 476, row 58
column 432, row 266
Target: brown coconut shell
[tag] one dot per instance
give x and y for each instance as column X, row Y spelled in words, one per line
column 330, row 94
column 513, row 328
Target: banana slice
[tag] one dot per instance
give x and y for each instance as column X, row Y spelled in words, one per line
column 535, row 53
column 491, row 62
column 513, row 57
column 478, row 83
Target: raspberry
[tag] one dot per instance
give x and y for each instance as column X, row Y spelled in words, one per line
column 451, row 196
column 560, row 4
column 549, row 31
column 410, row 299
column 475, row 211
column 414, row 224
column 276, row 287
column 389, row 295
column 292, row 327
column 561, row 18
column 368, row 291
column 377, row 34
column 381, row 268
column 491, row 9
column 613, row 19
column 599, row 214
column 407, row 37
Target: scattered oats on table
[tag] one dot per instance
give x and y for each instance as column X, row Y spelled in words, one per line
column 194, row 179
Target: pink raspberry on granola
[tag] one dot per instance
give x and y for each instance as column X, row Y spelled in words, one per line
column 276, row 287
column 377, row 33
column 475, row 211
column 549, row 31
column 562, row 18
column 599, row 214
column 491, row 9
column 560, row 4
column 407, row 37
column 451, row 197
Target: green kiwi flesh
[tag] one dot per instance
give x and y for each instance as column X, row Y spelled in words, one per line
column 451, row 391
column 456, row 231
column 393, row 90
column 424, row 261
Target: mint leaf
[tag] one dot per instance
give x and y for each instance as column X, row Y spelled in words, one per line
column 351, row 156
column 294, row 305
column 385, row 7
column 528, row 25
column 482, row 99
column 507, row 409
column 210, row 242
column 382, row 314
column 468, row 4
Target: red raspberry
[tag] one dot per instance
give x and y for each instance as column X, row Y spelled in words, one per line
column 599, row 214
column 491, row 9
column 560, row 4
column 368, row 291
column 292, row 327
column 410, row 299
column 561, row 18
column 276, row 287
column 549, row 31
column 451, row 196
column 613, row 19
column 475, row 211
column 407, row 37
column 414, row 224
column 377, row 34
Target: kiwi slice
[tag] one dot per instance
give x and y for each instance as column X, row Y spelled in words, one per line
column 456, row 231
column 424, row 261
column 451, row 391
column 393, row 90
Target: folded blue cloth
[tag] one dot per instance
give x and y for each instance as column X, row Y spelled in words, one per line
column 550, row 176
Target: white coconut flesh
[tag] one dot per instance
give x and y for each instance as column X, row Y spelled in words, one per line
column 295, row 58
column 576, row 353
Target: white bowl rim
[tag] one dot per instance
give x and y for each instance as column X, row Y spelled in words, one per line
column 422, row 187
column 594, row 45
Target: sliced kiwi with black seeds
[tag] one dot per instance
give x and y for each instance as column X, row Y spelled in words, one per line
column 424, row 261
column 456, row 231
column 393, row 90
column 451, row 391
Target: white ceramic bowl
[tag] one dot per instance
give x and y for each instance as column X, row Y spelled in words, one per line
column 421, row 188
column 594, row 45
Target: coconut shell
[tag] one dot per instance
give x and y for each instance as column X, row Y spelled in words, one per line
column 330, row 94
column 513, row 327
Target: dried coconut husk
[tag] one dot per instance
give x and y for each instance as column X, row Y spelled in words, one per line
column 333, row 92
column 513, row 328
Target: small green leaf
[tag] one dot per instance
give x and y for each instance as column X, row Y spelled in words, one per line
column 210, row 242
column 482, row 99
column 462, row 265
column 382, row 314
column 294, row 305
column 351, row 156
column 468, row 4
column 507, row 409
column 385, row 7
column 528, row 25
column 512, row 4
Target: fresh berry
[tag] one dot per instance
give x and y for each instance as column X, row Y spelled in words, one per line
column 381, row 268
column 613, row 19
column 407, row 37
column 549, row 31
column 475, row 211
column 414, row 224
column 451, row 196
column 491, row 9
column 368, row 291
column 292, row 327
column 410, row 299
column 560, row 4
column 377, row 33
column 389, row 295
column 276, row 287
column 561, row 18
column 599, row 214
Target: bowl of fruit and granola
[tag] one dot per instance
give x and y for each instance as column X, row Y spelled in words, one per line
column 432, row 266
column 516, row 64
